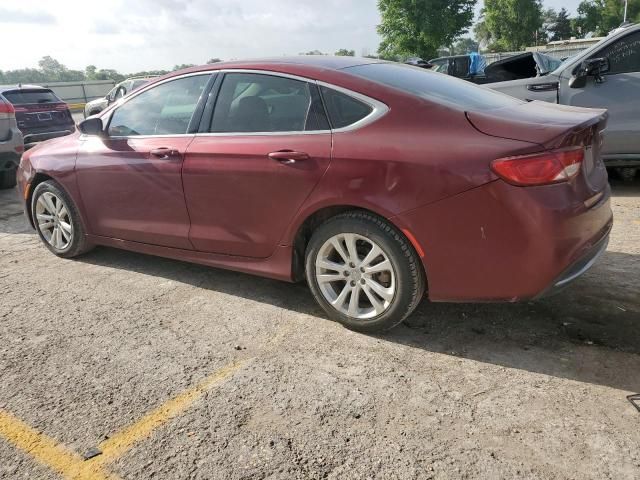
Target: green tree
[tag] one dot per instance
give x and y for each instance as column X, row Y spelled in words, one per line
column 481, row 33
column 602, row 16
column 343, row 52
column 313, row 52
column 464, row 46
column 513, row 24
column 420, row 27
column 182, row 66
column 561, row 29
column 90, row 72
column 213, row 60
column 54, row 71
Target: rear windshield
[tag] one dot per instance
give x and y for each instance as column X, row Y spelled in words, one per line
column 434, row 86
column 24, row 97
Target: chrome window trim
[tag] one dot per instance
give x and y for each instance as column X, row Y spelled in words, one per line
column 378, row 108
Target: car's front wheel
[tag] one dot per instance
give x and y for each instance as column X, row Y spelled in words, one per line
column 363, row 272
column 57, row 220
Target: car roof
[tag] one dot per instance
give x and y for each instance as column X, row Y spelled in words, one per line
column 301, row 62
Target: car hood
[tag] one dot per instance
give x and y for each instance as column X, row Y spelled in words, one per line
column 97, row 102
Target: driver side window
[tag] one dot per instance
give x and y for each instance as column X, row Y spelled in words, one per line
column 623, row 55
column 163, row 110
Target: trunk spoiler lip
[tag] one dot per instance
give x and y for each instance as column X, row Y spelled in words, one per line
column 516, row 123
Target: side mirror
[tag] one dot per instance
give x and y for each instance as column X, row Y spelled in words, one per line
column 594, row 67
column 92, row 126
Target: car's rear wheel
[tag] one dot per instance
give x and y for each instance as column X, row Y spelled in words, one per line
column 363, row 272
column 57, row 220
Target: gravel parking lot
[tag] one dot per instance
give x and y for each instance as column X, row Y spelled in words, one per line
column 174, row 370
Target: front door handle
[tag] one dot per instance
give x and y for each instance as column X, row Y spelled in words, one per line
column 165, row 153
column 288, row 156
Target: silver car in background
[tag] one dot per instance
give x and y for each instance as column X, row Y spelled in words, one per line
column 122, row 89
column 606, row 75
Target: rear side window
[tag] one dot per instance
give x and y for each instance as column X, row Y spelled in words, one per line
column 342, row 109
column 26, row 97
column 252, row 102
column 433, row 86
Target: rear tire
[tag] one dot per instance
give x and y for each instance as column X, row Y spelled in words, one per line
column 363, row 272
column 8, row 179
column 57, row 221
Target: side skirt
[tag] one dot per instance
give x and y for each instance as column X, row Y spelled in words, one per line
column 277, row 266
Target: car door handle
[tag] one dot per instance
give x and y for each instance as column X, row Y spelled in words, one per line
column 165, row 153
column 543, row 87
column 288, row 156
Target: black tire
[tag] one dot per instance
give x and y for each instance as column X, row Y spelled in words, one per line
column 627, row 174
column 78, row 243
column 410, row 281
column 8, row 179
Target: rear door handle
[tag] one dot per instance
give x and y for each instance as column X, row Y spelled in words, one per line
column 288, row 156
column 165, row 153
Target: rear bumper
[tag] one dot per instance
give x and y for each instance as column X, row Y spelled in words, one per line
column 622, row 160
column 576, row 269
column 498, row 242
column 11, row 150
column 30, row 139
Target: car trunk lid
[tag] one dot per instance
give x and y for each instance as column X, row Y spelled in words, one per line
column 550, row 126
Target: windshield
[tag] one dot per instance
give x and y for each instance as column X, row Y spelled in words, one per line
column 434, row 86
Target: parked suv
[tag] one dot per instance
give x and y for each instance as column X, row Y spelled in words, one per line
column 11, row 146
column 120, row 90
column 606, row 75
column 40, row 114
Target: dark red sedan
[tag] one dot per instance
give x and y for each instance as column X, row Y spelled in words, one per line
column 375, row 181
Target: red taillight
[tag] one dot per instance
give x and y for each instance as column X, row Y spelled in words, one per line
column 540, row 168
column 62, row 106
column 6, row 108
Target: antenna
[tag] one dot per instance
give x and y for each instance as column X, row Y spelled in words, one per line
column 624, row 20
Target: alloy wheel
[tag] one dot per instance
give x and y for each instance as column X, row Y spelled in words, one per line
column 355, row 276
column 53, row 220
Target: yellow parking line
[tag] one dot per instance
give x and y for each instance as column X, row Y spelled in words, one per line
column 119, row 443
column 46, row 451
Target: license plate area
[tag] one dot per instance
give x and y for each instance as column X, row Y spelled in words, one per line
column 44, row 117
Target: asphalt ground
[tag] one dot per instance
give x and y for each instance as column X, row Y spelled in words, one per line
column 170, row 370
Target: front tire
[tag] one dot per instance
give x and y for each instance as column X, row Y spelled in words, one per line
column 363, row 272
column 57, row 221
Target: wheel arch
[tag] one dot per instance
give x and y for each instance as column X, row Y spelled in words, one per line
column 315, row 219
column 38, row 178
column 41, row 177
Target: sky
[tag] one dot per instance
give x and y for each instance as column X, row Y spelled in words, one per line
column 136, row 35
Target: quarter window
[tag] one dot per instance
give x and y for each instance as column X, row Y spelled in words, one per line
column 623, row 55
column 343, row 110
column 163, row 110
column 252, row 102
